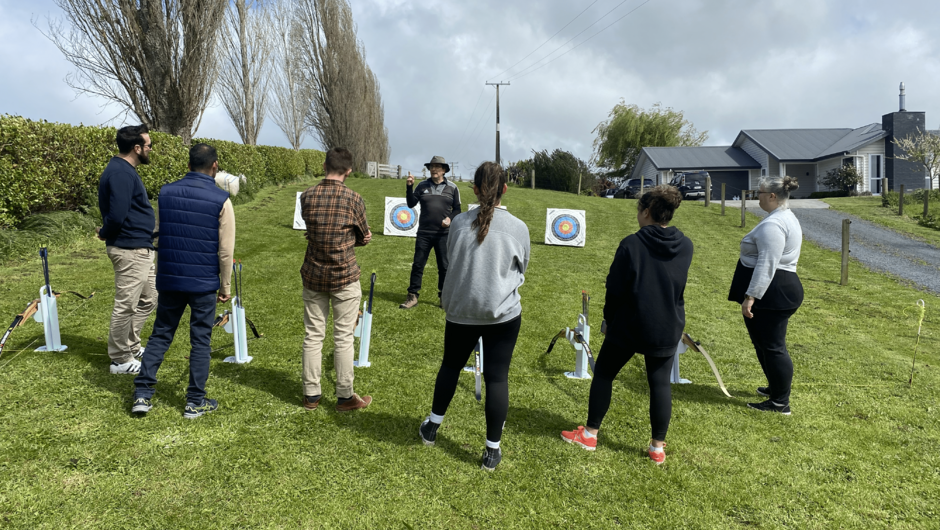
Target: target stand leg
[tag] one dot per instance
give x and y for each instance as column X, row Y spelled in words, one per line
column 674, row 376
column 237, row 326
column 364, row 332
column 580, row 358
column 48, row 316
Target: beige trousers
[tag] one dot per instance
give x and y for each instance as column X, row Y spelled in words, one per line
column 345, row 313
column 135, row 297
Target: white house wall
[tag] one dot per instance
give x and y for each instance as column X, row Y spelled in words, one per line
column 648, row 170
column 756, row 152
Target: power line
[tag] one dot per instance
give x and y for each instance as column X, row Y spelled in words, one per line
column 520, row 75
column 488, row 116
column 467, row 126
column 523, row 71
column 546, row 42
column 477, row 126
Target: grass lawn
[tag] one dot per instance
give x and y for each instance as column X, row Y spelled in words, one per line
column 870, row 209
column 860, row 450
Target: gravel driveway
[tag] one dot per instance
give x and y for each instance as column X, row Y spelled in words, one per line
column 876, row 247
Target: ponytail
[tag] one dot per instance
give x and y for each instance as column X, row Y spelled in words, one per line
column 489, row 180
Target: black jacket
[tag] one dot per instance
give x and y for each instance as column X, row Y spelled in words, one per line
column 438, row 201
column 645, row 308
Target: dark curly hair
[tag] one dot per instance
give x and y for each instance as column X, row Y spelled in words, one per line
column 662, row 202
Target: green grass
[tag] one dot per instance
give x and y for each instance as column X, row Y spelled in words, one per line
column 870, row 209
column 858, row 452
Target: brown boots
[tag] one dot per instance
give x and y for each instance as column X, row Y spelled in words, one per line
column 410, row 302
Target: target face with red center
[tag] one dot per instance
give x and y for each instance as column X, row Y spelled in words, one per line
column 565, row 227
column 400, row 220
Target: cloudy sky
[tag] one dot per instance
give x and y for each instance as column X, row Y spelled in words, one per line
column 728, row 64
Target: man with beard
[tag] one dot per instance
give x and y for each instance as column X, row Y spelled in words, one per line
column 127, row 228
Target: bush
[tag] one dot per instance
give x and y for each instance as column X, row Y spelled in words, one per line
column 891, row 199
column 843, row 178
column 47, row 167
column 56, row 228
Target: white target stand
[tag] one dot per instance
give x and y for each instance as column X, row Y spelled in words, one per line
column 674, row 376
column 364, row 329
column 580, row 355
column 236, row 327
column 48, row 316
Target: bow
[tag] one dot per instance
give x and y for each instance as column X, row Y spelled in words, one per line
column 31, row 309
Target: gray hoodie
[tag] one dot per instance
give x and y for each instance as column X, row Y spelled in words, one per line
column 483, row 280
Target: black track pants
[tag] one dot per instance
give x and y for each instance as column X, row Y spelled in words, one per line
column 423, row 245
column 610, row 361
column 768, row 331
column 499, row 340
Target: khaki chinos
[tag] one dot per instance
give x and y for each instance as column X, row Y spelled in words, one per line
column 135, row 297
column 345, row 304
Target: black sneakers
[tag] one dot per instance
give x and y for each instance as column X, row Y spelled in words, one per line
column 491, row 459
column 141, row 406
column 193, row 410
column 763, row 391
column 770, row 406
column 428, row 431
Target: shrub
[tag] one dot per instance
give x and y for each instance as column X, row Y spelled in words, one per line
column 48, row 167
column 890, row 199
column 843, row 178
column 827, row 194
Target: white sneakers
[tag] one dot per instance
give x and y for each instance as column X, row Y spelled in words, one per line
column 130, row 367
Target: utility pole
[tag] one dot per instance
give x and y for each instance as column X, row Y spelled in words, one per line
column 497, row 85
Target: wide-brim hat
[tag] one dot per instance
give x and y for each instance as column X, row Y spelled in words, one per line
column 438, row 160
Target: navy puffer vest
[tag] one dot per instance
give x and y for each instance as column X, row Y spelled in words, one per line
column 188, row 258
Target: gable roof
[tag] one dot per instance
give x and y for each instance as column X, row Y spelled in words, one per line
column 811, row 144
column 700, row 157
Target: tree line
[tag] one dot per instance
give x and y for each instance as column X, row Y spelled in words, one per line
column 299, row 61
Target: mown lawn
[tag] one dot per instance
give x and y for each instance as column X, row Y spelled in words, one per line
column 870, row 209
column 860, row 450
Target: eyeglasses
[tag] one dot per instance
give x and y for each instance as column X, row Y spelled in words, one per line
column 770, row 192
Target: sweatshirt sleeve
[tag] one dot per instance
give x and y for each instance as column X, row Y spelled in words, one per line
column 770, row 240
column 410, row 197
column 120, row 190
column 226, row 246
column 617, row 281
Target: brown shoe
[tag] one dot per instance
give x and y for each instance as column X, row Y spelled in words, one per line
column 355, row 402
column 311, row 405
column 410, row 302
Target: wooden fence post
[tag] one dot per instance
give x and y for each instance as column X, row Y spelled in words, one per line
column 642, row 182
column 901, row 201
column 744, row 207
column 845, row 252
column 722, row 198
column 399, row 171
column 533, row 178
column 708, row 191
column 884, row 185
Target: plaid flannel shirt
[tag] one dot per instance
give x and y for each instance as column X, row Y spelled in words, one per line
column 336, row 222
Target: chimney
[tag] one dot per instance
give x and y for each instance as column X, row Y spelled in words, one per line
column 901, row 97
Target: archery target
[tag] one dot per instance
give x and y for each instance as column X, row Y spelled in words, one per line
column 400, row 220
column 565, row 227
column 299, row 223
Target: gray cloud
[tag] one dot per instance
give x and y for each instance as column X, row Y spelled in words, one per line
column 728, row 64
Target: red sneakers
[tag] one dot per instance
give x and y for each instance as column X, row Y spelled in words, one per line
column 577, row 437
column 657, row 456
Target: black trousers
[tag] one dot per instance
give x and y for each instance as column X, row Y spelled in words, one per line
column 499, row 340
column 610, row 360
column 423, row 245
column 768, row 331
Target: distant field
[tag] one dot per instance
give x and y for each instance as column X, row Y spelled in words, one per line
column 858, row 452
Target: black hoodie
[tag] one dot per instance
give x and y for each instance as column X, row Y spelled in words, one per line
column 645, row 308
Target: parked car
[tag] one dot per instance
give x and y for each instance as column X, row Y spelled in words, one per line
column 631, row 188
column 691, row 185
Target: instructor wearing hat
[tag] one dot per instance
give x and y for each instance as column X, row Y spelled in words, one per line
column 440, row 202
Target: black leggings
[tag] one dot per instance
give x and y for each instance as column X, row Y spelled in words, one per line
column 499, row 340
column 612, row 359
column 768, row 331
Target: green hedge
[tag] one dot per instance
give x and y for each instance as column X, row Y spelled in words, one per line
column 47, row 167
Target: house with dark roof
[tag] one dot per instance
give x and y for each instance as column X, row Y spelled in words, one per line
column 807, row 154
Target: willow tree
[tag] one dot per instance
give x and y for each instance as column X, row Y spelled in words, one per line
column 244, row 72
column 628, row 129
column 346, row 104
column 155, row 59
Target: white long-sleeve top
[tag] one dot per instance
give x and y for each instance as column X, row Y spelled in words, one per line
column 773, row 244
